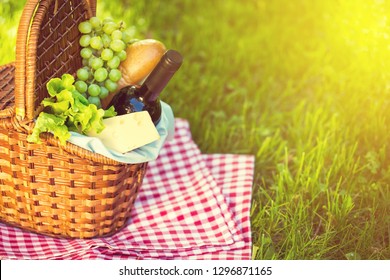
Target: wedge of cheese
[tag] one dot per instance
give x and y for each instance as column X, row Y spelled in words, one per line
column 127, row 132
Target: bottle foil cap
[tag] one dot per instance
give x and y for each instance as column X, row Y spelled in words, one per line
column 172, row 60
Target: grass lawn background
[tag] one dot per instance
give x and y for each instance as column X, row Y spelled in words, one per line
column 302, row 85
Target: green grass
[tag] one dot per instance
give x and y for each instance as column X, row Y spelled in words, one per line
column 302, row 85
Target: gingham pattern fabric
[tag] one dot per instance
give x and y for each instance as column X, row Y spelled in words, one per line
column 190, row 206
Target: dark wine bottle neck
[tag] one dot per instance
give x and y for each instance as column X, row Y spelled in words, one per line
column 153, row 86
column 160, row 76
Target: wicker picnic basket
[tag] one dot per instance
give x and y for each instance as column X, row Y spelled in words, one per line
column 47, row 188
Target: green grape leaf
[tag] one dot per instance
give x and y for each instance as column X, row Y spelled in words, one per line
column 95, row 122
column 60, row 103
column 67, row 82
column 54, row 86
column 57, row 85
column 79, row 99
column 50, row 123
column 110, row 112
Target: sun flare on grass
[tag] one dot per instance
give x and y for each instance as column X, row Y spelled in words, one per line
column 359, row 32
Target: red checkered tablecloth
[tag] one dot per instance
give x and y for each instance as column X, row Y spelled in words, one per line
column 190, row 206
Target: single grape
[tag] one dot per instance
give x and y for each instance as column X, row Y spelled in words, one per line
column 127, row 36
column 122, row 55
column 107, row 54
column 109, row 27
column 88, row 72
column 96, row 63
column 114, row 62
column 115, row 75
column 110, row 85
column 103, row 92
column 100, row 74
column 94, row 90
column 116, row 35
column 90, row 60
column 85, row 27
column 81, row 86
column 117, row 45
column 95, row 22
column 96, row 42
column 86, row 53
column 82, row 74
column 95, row 100
column 106, row 40
column 85, row 40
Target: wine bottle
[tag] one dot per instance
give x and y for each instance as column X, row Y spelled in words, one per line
column 146, row 98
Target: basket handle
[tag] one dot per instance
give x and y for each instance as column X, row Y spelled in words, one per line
column 46, row 47
column 92, row 5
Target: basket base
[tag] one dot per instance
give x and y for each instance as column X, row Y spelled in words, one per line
column 71, row 235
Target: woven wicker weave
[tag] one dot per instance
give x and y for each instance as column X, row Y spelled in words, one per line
column 46, row 188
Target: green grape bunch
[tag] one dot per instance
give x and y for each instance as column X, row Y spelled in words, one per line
column 103, row 49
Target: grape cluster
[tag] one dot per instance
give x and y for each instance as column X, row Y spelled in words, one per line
column 103, row 48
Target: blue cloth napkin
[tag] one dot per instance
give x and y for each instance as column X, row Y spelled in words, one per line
column 145, row 153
